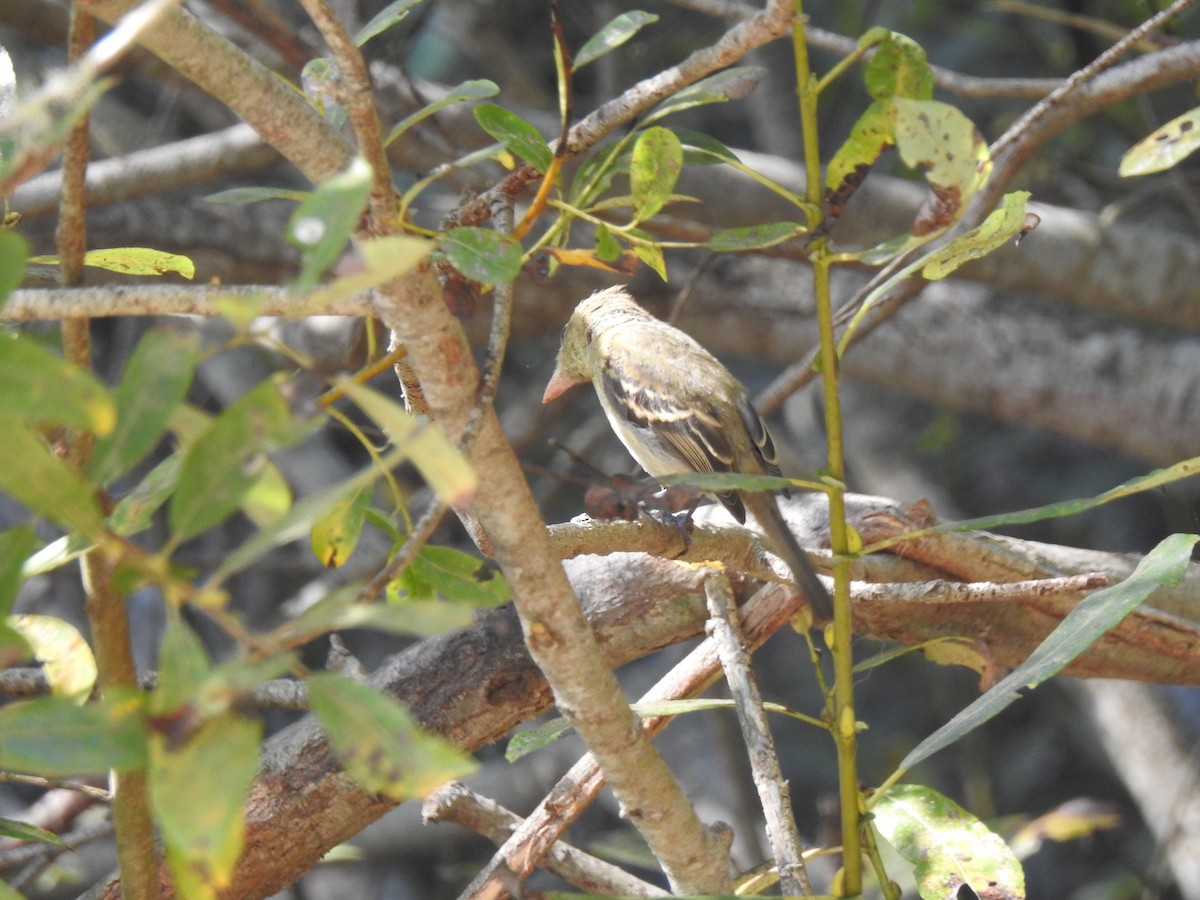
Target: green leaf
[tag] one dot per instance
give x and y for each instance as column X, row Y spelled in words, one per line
column 735, row 83
column 607, row 247
column 596, row 173
column 1161, row 149
column 1156, row 479
column 14, row 251
column 38, row 479
column 65, row 656
column 244, row 195
column 483, row 255
column 454, row 575
column 949, row 847
column 701, row 149
column 1002, row 225
column 392, row 14
column 650, row 254
column 899, row 68
column 378, row 742
column 155, row 382
column 468, row 90
column 341, row 610
column 55, row 736
column 182, row 667
column 440, row 463
column 23, row 831
column 613, row 35
column 654, row 170
column 224, row 462
column 532, row 739
column 198, row 794
column 136, row 509
column 300, row 518
column 335, row 533
column 522, row 138
column 16, row 544
column 383, row 258
column 1095, row 615
column 753, row 237
column 41, row 387
column 324, row 221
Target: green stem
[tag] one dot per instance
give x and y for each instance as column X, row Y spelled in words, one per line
column 849, row 882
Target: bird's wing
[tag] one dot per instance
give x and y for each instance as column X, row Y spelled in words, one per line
column 684, row 428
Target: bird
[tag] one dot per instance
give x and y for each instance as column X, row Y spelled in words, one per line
column 677, row 410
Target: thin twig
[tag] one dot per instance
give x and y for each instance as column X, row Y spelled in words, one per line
column 1087, row 73
column 458, row 804
column 725, row 630
column 359, row 101
column 767, row 610
column 422, row 531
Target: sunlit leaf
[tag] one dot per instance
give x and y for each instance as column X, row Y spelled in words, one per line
column 440, row 463
column 1095, row 615
column 873, row 133
column 56, row 736
column 378, row 742
column 483, row 254
column 954, row 854
column 8, row 106
column 468, row 90
column 1164, row 147
column 14, row 252
column 155, row 382
column 898, row 68
column 65, row 656
column 324, row 221
column 392, row 14
column 335, row 533
column 41, row 387
column 1002, row 225
column 39, row 480
column 939, row 139
column 613, row 35
column 654, row 170
column 198, row 793
column 521, row 137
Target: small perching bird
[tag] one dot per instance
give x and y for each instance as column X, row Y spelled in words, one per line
column 677, row 410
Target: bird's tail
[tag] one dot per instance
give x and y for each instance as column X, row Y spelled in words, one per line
column 783, row 542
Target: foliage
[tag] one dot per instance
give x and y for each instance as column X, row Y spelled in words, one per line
column 130, row 477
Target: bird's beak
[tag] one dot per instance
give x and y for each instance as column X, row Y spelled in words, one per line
column 558, row 385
